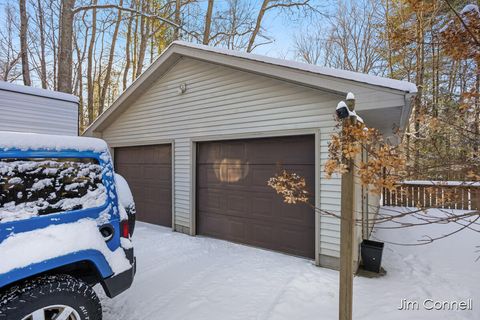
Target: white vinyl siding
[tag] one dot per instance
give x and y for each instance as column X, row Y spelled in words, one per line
column 182, row 181
column 222, row 102
column 23, row 112
column 330, row 196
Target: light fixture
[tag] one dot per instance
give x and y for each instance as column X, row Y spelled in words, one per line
column 182, row 88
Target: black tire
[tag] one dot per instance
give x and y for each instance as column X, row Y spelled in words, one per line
column 23, row 299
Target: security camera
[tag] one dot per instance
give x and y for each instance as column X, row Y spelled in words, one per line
column 342, row 110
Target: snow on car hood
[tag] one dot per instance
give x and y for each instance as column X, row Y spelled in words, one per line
column 25, row 248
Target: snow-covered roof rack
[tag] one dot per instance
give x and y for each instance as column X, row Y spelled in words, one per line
column 7, row 86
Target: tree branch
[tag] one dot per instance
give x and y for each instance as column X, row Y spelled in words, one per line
column 138, row 12
column 463, row 22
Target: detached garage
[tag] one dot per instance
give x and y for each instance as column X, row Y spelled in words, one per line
column 201, row 131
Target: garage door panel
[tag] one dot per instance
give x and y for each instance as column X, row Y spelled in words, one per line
column 238, row 230
column 262, row 207
column 298, row 214
column 222, row 173
column 209, row 199
column 262, row 173
column 214, row 225
column 235, row 203
column 293, row 150
column 131, row 171
column 148, row 172
column 161, row 172
column 259, row 151
column 262, row 235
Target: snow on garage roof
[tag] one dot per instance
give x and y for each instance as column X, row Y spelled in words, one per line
column 337, row 73
column 337, row 81
column 7, row 86
column 35, row 141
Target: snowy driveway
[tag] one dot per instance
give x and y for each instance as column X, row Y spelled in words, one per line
column 183, row 277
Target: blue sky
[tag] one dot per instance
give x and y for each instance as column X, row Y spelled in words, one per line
column 280, row 27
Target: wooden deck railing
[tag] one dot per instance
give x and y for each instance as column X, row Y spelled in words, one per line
column 434, row 194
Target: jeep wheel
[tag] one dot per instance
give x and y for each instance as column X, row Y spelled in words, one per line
column 59, row 297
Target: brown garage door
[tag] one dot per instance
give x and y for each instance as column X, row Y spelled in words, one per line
column 234, row 202
column 148, row 170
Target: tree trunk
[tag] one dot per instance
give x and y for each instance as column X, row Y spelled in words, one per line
column 127, row 50
column 90, row 82
column 144, row 34
column 43, row 62
column 208, row 23
column 476, row 122
column 108, row 71
column 65, row 50
column 134, row 51
column 54, row 46
column 389, row 39
column 79, row 87
column 420, row 71
column 178, row 6
column 23, row 43
column 258, row 25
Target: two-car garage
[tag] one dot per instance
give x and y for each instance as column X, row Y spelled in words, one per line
column 233, row 201
column 198, row 134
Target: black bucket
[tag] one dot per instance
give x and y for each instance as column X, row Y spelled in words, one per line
column 372, row 255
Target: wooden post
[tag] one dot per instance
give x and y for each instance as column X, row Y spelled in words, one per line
column 347, row 231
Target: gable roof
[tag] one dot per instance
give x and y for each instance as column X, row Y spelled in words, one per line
column 322, row 78
column 404, row 86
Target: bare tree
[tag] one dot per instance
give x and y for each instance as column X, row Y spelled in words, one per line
column 9, row 55
column 309, row 47
column 90, row 75
column 178, row 8
column 108, row 70
column 23, row 43
column 208, row 23
column 354, row 39
column 41, row 30
column 65, row 57
column 268, row 5
column 128, row 41
column 54, row 9
column 145, row 24
column 258, row 25
column 233, row 26
column 349, row 41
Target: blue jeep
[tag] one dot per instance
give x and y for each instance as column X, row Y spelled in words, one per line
column 65, row 225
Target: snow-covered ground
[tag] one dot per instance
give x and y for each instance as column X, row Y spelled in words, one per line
column 183, row 277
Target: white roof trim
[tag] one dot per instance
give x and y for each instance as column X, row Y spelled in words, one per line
column 337, row 73
column 7, row 86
